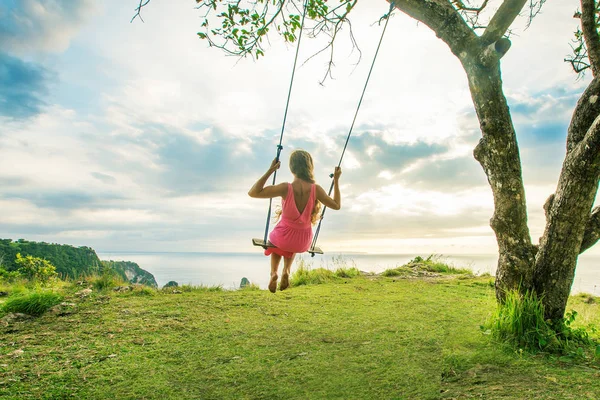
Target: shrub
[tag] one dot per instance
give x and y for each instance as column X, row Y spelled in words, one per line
column 35, row 268
column 35, row 303
column 8, row 276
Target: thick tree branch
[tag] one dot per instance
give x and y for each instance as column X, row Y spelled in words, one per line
column 502, row 20
column 590, row 34
column 494, row 52
column 443, row 19
column 592, row 231
column 587, row 151
column 586, row 111
column 568, row 219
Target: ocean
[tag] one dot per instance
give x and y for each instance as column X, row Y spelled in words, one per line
column 228, row 269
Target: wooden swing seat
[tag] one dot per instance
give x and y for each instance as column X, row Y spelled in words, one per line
column 261, row 243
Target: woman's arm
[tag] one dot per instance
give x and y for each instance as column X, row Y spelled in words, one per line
column 336, row 202
column 259, row 190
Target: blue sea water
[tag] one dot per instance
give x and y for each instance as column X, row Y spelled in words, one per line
column 227, row 269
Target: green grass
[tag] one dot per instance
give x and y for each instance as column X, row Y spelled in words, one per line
column 34, row 303
column 398, row 271
column 520, row 322
column 251, row 286
column 419, row 266
column 304, row 275
column 347, row 338
column 198, row 288
column 106, row 281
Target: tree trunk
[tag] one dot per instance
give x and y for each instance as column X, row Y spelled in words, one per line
column 498, row 154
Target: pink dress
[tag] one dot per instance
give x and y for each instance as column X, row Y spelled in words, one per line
column 293, row 233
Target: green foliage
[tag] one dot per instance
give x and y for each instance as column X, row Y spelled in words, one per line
column 520, row 322
column 35, row 269
column 9, row 276
column 239, row 28
column 34, row 303
column 70, row 262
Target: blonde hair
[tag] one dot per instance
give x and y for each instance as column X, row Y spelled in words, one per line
column 301, row 165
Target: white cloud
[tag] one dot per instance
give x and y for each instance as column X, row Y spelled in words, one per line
column 385, row 174
column 43, row 25
column 398, row 200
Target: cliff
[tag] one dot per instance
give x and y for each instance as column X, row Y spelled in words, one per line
column 131, row 272
column 70, row 261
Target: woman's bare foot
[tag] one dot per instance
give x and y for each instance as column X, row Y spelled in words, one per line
column 285, row 282
column 273, row 283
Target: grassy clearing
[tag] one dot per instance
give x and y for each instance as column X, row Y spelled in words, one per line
column 347, row 338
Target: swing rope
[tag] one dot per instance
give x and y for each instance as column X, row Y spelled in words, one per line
column 387, row 19
column 287, row 104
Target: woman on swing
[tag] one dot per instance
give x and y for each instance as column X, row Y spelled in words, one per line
column 300, row 205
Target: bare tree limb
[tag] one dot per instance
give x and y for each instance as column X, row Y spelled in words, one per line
column 501, row 21
column 592, row 231
column 138, row 10
column 579, row 60
column 535, row 7
column 590, row 34
column 338, row 22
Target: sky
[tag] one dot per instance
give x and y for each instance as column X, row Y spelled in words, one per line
column 136, row 136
